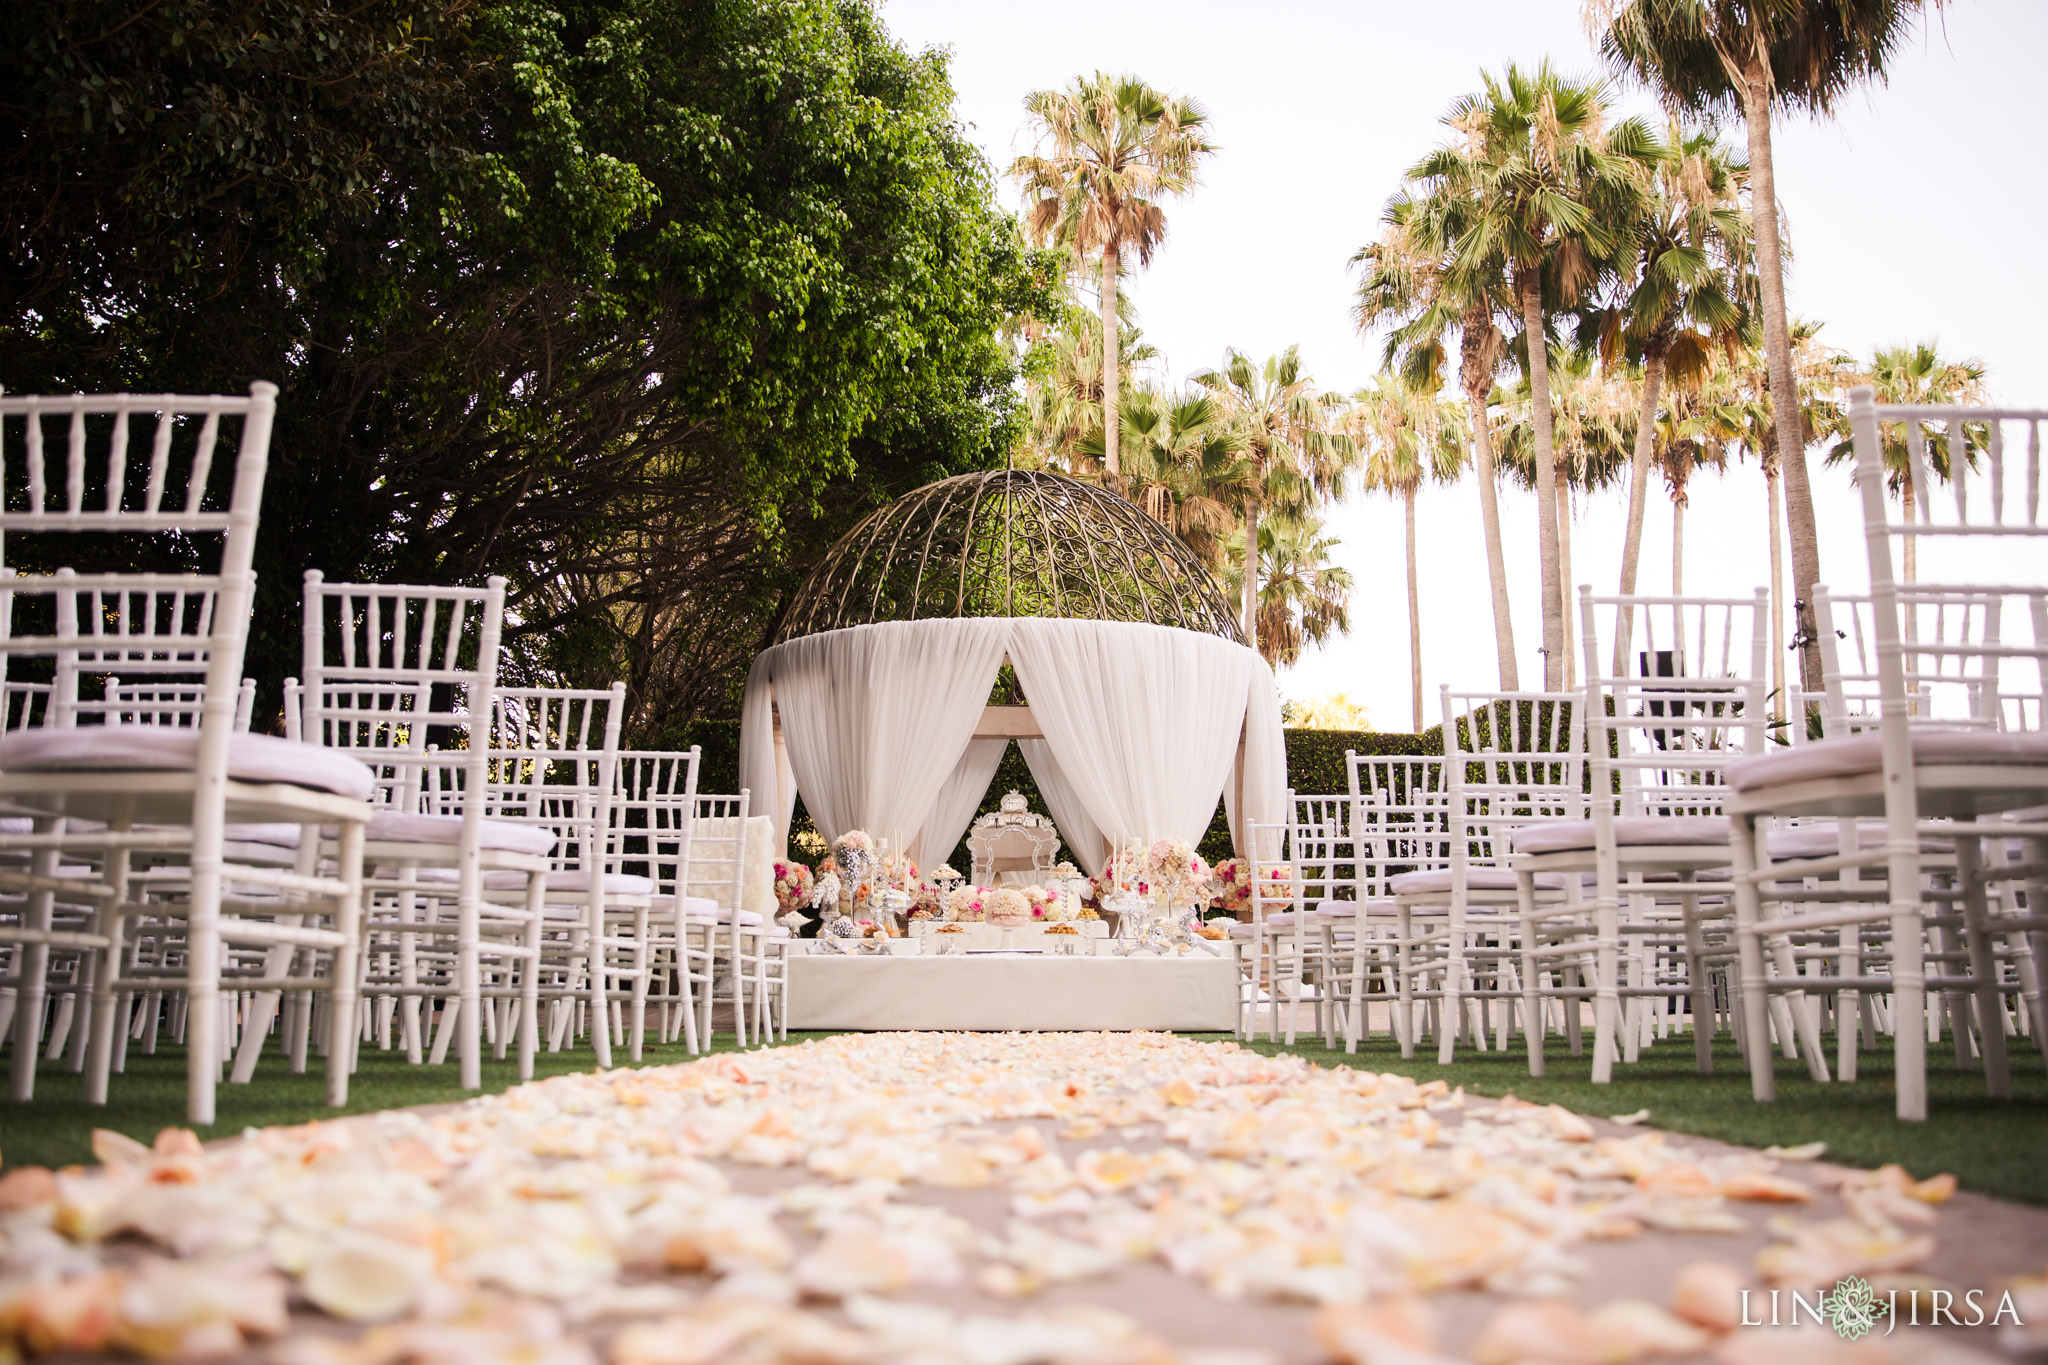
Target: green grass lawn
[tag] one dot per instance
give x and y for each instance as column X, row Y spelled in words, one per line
column 1993, row 1146
column 1996, row 1147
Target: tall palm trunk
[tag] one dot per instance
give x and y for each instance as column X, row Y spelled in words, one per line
column 1251, row 573
column 1776, row 521
column 1639, row 483
column 1531, row 290
column 1110, row 424
column 1678, row 501
column 1414, row 615
column 1476, row 388
column 1564, row 572
column 1911, row 558
column 1756, row 113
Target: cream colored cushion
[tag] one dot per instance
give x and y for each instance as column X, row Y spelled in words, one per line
column 1861, row 755
column 173, row 748
column 1631, row 831
column 1476, row 879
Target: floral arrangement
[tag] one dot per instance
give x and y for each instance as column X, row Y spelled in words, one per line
column 855, row 841
column 793, row 886
column 926, row 902
column 967, row 904
column 1234, row 884
column 1043, row 902
column 1126, row 870
column 1180, row 873
column 898, row 870
column 1008, row 905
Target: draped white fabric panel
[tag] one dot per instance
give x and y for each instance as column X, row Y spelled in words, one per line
column 1144, row 720
column 1141, row 727
column 875, row 717
column 757, row 752
column 957, row 801
column 1084, row 841
column 1265, row 766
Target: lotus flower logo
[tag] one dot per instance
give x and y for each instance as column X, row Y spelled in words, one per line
column 1851, row 1308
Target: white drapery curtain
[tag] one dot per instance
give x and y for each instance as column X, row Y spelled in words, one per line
column 875, row 717
column 1141, row 727
column 1144, row 720
column 954, row 807
column 1064, row 805
column 1265, row 766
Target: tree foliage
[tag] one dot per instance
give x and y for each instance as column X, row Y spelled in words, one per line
column 637, row 302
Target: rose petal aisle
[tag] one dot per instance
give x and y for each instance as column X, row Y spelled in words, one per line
column 985, row 1199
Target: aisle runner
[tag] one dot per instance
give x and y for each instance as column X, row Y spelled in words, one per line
column 867, row 1188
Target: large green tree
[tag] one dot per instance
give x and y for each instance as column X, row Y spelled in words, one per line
column 635, row 301
column 1750, row 57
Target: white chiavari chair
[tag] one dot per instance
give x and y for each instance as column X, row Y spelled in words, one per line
column 1400, row 822
column 1971, row 770
column 1690, row 696
column 146, row 807
column 391, row 671
column 1510, row 760
column 652, row 824
column 554, row 767
column 715, row 910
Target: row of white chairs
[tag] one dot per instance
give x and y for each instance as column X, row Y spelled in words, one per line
column 422, row 842
column 1656, row 847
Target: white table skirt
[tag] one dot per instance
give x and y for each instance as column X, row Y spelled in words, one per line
column 996, row 993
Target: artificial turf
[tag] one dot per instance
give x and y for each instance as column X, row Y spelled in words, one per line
column 1997, row 1147
column 1993, row 1146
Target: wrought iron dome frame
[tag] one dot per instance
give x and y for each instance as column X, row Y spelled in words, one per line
column 1010, row 542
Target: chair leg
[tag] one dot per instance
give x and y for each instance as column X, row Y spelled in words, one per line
column 1990, row 1005
column 1750, row 951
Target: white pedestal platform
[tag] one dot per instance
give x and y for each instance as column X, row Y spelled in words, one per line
column 999, row 992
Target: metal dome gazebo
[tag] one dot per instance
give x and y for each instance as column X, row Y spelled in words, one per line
column 1009, row 543
column 1142, row 701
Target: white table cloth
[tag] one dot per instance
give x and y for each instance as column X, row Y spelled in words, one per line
column 993, row 992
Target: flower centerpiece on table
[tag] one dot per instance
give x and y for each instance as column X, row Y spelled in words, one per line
column 1233, row 890
column 967, row 904
column 793, row 886
column 1179, row 873
column 1008, row 907
column 927, row 902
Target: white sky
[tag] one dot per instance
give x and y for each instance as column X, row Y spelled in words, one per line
column 1909, row 215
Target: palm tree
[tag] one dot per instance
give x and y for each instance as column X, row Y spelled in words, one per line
column 1303, row 599
column 1063, row 390
column 1708, row 56
column 1409, row 435
column 1110, row 149
column 1686, row 442
column 1184, row 465
column 1280, row 421
column 1553, row 194
column 1916, row 373
column 1694, row 278
column 1591, row 411
column 1408, row 283
column 1739, row 404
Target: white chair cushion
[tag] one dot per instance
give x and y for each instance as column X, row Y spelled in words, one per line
column 1821, row 840
column 702, row 908
column 616, row 883
column 396, row 827
column 1476, row 879
column 1633, row 831
column 173, row 748
column 1861, row 755
column 276, row 835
